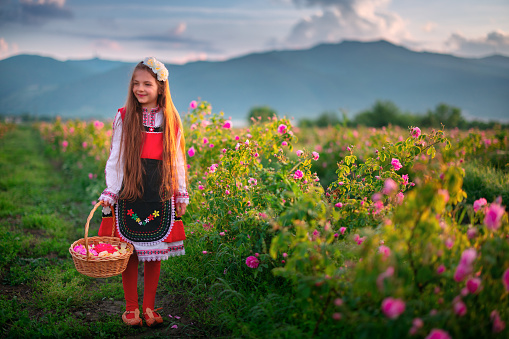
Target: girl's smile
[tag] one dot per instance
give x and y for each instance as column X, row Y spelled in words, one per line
column 145, row 89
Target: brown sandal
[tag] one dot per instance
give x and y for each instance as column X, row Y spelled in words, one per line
column 153, row 319
column 136, row 321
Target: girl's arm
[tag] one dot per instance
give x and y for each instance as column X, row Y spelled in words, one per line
column 114, row 171
column 181, row 196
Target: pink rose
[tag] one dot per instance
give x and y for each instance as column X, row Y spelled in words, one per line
column 393, row 308
column 281, row 129
column 339, row 205
column 440, row 269
column 505, row 279
column 227, row 124
column 473, row 285
column 498, row 324
column 416, row 132
column 389, row 272
column 438, row 334
column 468, row 256
column 399, row 198
column 342, row 230
column 358, row 239
column 460, row 308
column 205, row 140
column 378, row 206
column 298, row 174
column 462, row 271
column 396, row 164
column 479, row 203
column 390, row 186
column 444, row 194
column 449, row 243
column 385, row 251
column 471, row 233
column 252, row 262
column 65, row 143
column 417, row 323
column 193, row 104
column 284, row 143
column 405, row 179
column 493, row 216
column 299, row 153
column 315, row 155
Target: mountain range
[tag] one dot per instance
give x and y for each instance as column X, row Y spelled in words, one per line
column 348, row 76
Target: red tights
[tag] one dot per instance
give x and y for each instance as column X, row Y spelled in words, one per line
column 130, row 282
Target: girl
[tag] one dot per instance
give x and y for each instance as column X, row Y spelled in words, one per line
column 146, row 184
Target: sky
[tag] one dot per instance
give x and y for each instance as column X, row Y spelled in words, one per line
column 183, row 31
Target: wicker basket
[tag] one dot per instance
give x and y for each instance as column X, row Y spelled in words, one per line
column 100, row 267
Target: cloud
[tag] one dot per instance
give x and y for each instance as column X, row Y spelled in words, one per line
column 347, row 19
column 190, row 57
column 172, row 38
column 175, row 38
column 106, row 44
column 5, row 49
column 107, row 22
column 179, row 29
column 496, row 42
column 32, row 12
column 429, row 26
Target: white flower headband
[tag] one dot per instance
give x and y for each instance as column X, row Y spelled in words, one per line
column 157, row 67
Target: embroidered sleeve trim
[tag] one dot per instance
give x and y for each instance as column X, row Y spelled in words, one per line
column 182, row 197
column 108, row 196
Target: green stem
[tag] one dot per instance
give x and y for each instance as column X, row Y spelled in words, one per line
column 325, row 306
column 412, row 264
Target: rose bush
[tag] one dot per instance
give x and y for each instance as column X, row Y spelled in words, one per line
column 385, row 247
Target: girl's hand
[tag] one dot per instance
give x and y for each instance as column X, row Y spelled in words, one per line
column 180, row 209
column 104, row 203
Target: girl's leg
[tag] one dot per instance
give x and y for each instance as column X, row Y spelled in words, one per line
column 130, row 282
column 152, row 271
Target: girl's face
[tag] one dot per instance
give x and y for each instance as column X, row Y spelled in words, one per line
column 145, row 88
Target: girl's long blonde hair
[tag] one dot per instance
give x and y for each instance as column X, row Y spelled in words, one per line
column 132, row 137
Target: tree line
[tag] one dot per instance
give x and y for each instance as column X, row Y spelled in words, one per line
column 385, row 113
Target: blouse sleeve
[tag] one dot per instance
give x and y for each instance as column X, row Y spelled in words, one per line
column 114, row 171
column 181, row 196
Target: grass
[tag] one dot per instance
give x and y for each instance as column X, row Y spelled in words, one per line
column 484, row 181
column 43, row 210
column 41, row 293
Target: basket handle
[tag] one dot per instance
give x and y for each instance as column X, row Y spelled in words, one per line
column 88, row 223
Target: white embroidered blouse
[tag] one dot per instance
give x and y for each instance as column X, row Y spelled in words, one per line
column 114, row 171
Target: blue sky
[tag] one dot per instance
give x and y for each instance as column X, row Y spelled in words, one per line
column 182, row 31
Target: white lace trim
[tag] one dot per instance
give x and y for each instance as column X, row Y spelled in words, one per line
column 161, row 257
column 183, row 200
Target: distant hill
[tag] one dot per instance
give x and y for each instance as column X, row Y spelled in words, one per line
column 300, row 83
